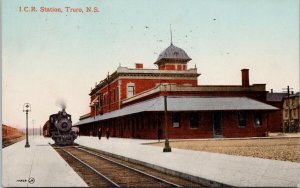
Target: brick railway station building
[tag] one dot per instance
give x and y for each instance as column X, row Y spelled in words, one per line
column 130, row 102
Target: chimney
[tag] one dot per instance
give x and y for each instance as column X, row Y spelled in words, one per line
column 245, row 77
column 138, row 65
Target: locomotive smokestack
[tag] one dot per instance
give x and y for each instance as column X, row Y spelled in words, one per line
column 63, row 105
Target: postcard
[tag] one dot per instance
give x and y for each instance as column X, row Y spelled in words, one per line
column 153, row 93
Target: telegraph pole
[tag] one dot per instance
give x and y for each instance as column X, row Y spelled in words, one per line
column 33, row 128
column 288, row 89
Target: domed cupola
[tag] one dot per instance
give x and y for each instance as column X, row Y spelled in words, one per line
column 172, row 58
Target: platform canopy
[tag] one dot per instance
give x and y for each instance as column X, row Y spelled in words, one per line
column 185, row 103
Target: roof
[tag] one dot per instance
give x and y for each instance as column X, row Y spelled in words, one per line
column 173, row 53
column 184, row 103
column 275, row 97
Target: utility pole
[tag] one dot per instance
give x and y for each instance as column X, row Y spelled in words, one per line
column 288, row 89
column 33, row 128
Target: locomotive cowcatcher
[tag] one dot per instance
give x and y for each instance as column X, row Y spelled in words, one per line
column 61, row 128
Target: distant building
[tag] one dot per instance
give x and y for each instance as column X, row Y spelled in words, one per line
column 276, row 118
column 131, row 103
column 291, row 113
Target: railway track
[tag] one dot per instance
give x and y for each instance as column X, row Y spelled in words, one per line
column 100, row 170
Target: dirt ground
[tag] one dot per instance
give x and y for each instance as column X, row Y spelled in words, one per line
column 284, row 149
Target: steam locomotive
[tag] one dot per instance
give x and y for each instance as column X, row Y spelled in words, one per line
column 61, row 128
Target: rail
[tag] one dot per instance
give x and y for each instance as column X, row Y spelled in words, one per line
column 128, row 167
column 90, row 167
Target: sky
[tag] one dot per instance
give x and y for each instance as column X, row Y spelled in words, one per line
column 48, row 57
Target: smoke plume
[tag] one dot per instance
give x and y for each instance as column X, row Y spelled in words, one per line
column 62, row 103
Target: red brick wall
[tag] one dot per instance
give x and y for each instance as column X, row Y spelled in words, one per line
column 140, row 85
column 275, row 122
column 145, row 125
column 146, row 84
column 172, row 66
column 231, row 128
column 111, row 103
column 205, row 129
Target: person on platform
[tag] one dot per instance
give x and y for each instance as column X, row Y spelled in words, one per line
column 107, row 133
column 99, row 133
column 159, row 133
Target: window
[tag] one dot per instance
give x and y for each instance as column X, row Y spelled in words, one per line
column 194, row 121
column 109, row 97
column 100, row 100
column 242, row 116
column 286, row 113
column 179, row 67
column 176, row 119
column 257, row 119
column 130, row 91
column 116, row 94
